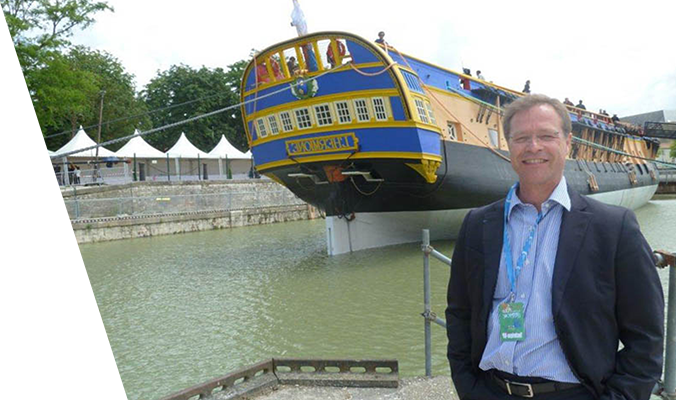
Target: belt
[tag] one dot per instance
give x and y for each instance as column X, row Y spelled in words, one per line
column 530, row 389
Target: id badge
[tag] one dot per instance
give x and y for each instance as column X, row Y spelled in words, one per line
column 511, row 322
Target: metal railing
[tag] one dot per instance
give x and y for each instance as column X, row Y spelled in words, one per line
column 249, row 381
column 79, row 208
column 663, row 259
column 428, row 314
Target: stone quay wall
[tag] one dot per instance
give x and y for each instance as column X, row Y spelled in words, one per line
column 98, row 229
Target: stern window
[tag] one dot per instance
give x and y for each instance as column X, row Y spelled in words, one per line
column 379, row 108
column 287, row 125
column 303, row 118
column 412, row 81
column 344, row 116
column 260, row 124
column 323, row 115
column 428, row 106
column 421, row 111
column 272, row 121
column 362, row 110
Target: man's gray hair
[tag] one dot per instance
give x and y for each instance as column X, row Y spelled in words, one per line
column 527, row 102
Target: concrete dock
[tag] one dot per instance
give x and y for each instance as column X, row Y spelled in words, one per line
column 438, row 387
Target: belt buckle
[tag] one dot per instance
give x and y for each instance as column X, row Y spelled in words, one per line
column 527, row 385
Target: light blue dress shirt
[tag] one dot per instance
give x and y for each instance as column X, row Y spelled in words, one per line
column 540, row 354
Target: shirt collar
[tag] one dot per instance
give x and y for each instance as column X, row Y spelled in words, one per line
column 559, row 195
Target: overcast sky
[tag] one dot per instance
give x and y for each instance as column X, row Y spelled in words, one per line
column 619, row 58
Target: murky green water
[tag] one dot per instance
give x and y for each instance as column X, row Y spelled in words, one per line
column 182, row 309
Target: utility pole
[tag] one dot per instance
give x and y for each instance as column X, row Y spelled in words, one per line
column 97, row 166
column 103, row 93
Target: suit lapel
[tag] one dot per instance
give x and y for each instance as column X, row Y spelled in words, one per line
column 492, row 246
column 574, row 225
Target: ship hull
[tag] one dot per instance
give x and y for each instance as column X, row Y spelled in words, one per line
column 362, row 214
column 373, row 230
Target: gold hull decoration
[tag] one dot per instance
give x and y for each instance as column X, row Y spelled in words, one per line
column 427, row 169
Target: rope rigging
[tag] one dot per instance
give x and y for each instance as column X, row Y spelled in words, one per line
column 195, row 118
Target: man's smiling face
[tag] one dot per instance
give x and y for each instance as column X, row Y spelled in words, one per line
column 538, row 147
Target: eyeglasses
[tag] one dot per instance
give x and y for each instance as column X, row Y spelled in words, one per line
column 541, row 138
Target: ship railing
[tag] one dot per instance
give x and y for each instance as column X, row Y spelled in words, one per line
column 663, row 259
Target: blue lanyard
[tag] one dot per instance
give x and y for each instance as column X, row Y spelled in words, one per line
column 512, row 272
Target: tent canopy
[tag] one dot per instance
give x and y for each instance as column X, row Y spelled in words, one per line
column 184, row 149
column 81, row 141
column 224, row 149
column 139, row 147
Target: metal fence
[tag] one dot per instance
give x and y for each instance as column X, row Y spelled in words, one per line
column 663, row 259
column 122, row 175
column 164, row 204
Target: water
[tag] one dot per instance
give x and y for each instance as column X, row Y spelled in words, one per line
column 182, row 309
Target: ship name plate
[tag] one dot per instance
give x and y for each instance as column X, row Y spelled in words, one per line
column 323, row 144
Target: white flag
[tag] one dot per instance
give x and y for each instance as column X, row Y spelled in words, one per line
column 298, row 19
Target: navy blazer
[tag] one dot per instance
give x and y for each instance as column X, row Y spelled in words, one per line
column 605, row 290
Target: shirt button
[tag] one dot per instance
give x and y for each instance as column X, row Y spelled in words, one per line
column 506, row 362
column 527, row 262
column 523, row 296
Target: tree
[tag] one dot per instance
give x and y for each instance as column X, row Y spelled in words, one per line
column 39, row 27
column 672, row 152
column 204, row 90
column 68, row 91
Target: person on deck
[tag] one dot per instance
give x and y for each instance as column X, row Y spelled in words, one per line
column 615, row 118
column 291, row 65
column 478, row 75
column 381, row 38
column 568, row 102
column 580, row 105
column 526, row 88
column 546, row 283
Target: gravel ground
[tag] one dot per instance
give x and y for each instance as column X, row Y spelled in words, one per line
column 438, row 387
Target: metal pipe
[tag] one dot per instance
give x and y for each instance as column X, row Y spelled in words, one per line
column 428, row 295
column 441, row 257
column 670, row 357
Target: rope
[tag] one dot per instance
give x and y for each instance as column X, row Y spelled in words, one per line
column 363, row 193
column 139, row 115
column 195, row 118
column 370, row 74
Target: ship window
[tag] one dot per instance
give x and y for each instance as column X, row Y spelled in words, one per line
column 262, row 132
column 428, row 106
column 493, row 136
column 452, row 134
column 421, row 111
column 344, row 116
column 412, row 81
column 274, row 127
column 303, row 120
column 323, row 115
column 379, row 108
column 362, row 110
column 287, row 125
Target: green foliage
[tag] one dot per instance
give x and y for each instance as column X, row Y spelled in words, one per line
column 40, row 27
column 672, row 152
column 67, row 93
column 207, row 90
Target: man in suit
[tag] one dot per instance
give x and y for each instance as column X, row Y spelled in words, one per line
column 543, row 315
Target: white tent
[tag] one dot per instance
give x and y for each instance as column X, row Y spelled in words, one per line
column 81, row 141
column 184, row 149
column 139, row 147
column 224, row 149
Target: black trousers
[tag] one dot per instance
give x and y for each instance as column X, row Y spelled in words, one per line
column 486, row 389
